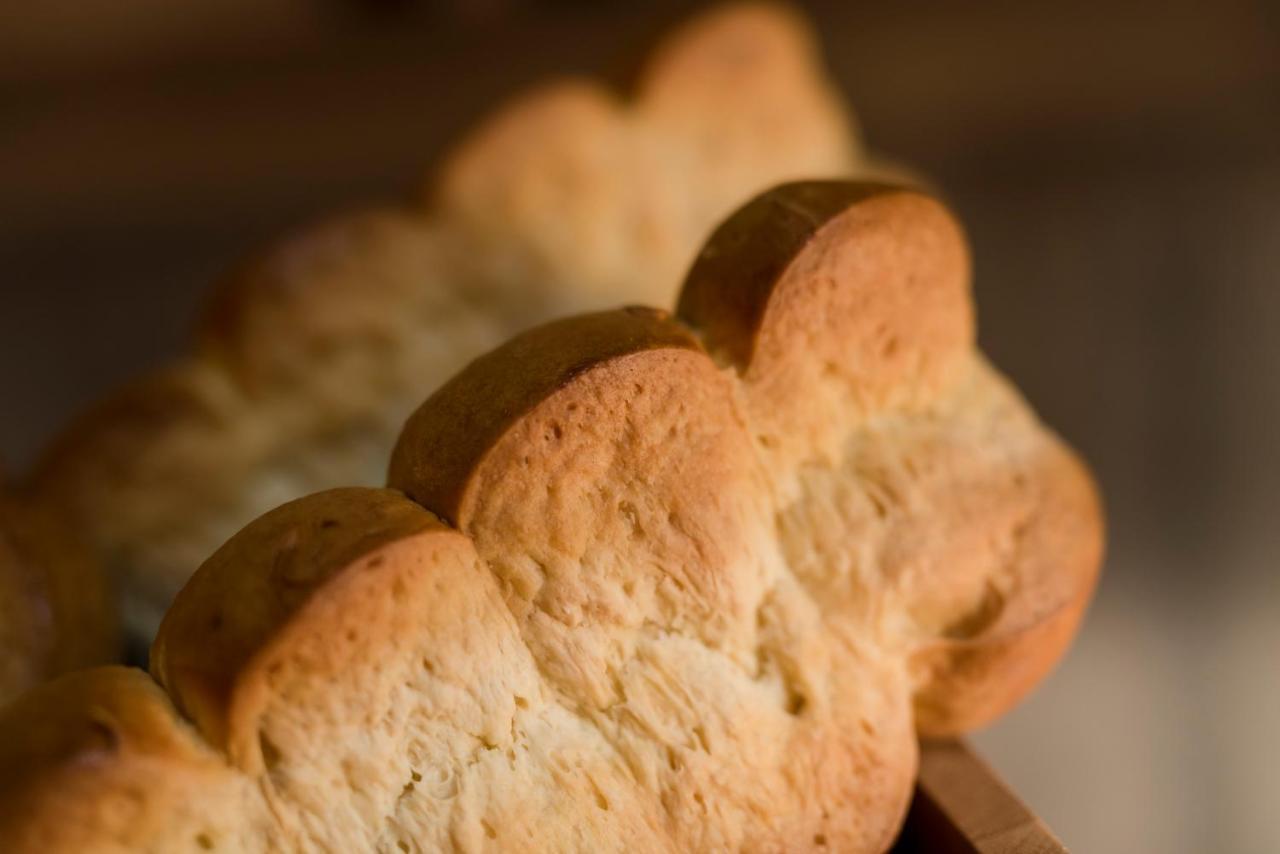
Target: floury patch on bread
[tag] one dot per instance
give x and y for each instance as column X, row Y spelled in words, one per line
column 641, row 582
column 310, row 358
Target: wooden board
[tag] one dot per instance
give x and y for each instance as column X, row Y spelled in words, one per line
column 962, row 807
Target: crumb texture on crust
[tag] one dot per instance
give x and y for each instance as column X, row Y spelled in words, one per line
column 610, row 601
column 312, row 354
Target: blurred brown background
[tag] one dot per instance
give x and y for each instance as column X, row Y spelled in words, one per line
column 1118, row 168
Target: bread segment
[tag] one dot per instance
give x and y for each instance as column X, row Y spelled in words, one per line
column 836, row 302
column 100, row 761
column 55, row 609
column 629, row 520
column 929, row 501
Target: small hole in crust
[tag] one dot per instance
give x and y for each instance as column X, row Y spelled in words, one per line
column 820, row 840
column 978, row 619
column 102, row 736
column 488, row 830
column 329, row 523
column 270, row 753
column 601, row 801
column 402, row 845
column 796, row 703
column 521, row 702
column 428, row 666
column 205, row 841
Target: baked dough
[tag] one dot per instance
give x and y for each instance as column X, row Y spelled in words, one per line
column 642, row 583
column 311, row 356
column 55, row 614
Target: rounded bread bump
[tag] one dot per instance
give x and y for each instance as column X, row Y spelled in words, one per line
column 836, row 301
column 211, row 653
column 99, row 760
column 845, row 309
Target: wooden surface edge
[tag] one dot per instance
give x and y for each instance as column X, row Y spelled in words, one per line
column 962, row 807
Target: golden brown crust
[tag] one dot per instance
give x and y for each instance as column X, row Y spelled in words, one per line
column 59, row 723
column 687, row 606
column 890, row 319
column 854, row 301
column 972, row 677
column 100, row 761
column 312, row 353
column 234, row 606
column 445, row 439
column 628, row 510
column 739, row 270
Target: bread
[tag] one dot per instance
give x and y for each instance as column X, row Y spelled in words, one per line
column 310, row 357
column 641, row 582
column 54, row 611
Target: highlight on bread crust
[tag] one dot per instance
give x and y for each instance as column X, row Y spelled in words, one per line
column 312, row 355
column 641, row 582
column 54, row 610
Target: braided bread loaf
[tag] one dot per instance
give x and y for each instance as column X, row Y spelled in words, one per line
column 641, row 583
column 312, row 355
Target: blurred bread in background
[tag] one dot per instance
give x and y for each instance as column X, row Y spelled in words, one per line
column 312, row 354
column 55, row 616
